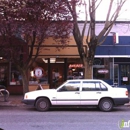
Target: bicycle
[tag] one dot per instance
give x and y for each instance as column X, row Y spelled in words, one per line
column 4, row 93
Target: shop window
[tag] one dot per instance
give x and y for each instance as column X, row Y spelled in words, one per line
column 44, row 78
column 38, row 75
column 15, row 76
column 39, row 72
column 101, row 68
column 125, row 74
column 75, row 71
column 3, row 74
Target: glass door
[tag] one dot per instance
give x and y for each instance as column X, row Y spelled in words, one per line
column 125, row 75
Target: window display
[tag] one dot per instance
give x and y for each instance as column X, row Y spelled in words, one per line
column 125, row 74
column 75, row 71
column 15, row 76
column 38, row 75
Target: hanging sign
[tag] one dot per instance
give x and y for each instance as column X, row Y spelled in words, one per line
column 38, row 72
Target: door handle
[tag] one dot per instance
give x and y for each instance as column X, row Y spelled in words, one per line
column 77, row 92
column 98, row 92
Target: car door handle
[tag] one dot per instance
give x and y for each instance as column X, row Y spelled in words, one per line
column 98, row 92
column 77, row 92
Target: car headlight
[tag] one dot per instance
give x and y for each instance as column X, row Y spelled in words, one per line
column 26, row 96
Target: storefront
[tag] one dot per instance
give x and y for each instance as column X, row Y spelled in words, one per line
column 111, row 63
column 119, row 60
column 56, row 71
column 112, row 70
column 10, row 77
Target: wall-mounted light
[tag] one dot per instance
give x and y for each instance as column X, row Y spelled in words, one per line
column 59, row 61
column 46, row 61
column 73, row 69
column 1, row 58
column 32, row 74
column 52, row 60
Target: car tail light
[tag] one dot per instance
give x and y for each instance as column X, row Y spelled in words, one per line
column 126, row 93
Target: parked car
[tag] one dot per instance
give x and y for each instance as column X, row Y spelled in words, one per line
column 78, row 92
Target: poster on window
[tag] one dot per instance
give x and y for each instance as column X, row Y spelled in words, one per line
column 125, row 78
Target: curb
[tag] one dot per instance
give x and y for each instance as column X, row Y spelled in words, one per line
column 11, row 104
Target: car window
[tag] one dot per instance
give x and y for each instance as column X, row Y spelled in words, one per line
column 93, row 86
column 98, row 87
column 70, row 86
column 88, row 86
column 103, row 87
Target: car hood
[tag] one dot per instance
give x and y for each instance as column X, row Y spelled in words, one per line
column 43, row 91
column 38, row 93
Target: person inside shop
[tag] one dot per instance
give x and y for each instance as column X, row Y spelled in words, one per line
column 70, row 74
column 55, row 77
column 43, row 80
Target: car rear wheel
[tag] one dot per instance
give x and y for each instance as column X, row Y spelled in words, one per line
column 42, row 104
column 106, row 105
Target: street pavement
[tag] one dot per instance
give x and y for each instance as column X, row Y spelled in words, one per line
column 16, row 100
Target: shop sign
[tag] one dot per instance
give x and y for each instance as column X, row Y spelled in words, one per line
column 38, row 72
column 75, row 65
column 115, row 38
column 103, row 71
column 125, row 78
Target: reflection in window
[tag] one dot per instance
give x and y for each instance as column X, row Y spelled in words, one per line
column 70, row 86
column 88, row 86
column 93, row 86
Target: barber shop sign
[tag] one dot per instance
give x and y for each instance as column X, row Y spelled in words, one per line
column 38, row 72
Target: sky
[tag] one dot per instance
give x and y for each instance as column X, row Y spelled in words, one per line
column 102, row 11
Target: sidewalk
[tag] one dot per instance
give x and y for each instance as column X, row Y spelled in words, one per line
column 15, row 101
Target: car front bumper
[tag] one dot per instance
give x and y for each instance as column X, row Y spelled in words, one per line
column 28, row 101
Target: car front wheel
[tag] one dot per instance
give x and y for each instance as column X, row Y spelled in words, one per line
column 42, row 104
column 106, row 105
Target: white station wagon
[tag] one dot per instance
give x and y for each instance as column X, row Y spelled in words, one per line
column 79, row 92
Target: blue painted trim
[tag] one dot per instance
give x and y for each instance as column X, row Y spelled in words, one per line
column 109, row 48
